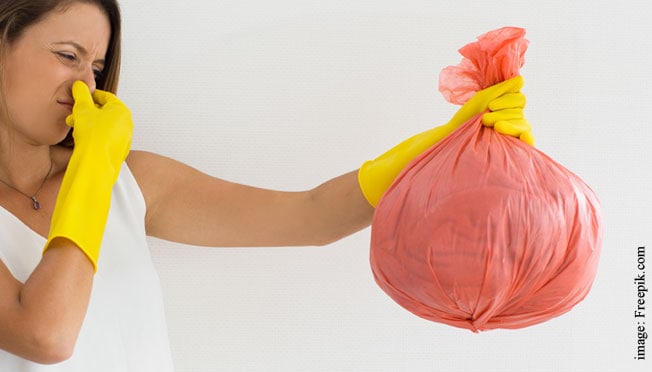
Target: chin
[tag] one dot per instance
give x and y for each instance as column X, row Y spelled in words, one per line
column 66, row 140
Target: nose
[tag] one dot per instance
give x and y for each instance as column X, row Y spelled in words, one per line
column 88, row 77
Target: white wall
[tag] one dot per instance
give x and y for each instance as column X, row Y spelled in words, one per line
column 287, row 94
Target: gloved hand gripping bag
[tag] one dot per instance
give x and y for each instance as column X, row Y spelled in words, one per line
column 483, row 231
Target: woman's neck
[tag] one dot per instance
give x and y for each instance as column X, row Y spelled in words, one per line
column 22, row 166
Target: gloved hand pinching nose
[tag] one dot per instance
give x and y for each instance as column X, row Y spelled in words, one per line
column 102, row 130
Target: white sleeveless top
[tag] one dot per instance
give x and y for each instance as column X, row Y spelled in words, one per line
column 124, row 329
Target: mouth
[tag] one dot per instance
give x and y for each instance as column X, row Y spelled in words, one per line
column 66, row 104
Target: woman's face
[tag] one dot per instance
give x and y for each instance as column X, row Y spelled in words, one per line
column 42, row 64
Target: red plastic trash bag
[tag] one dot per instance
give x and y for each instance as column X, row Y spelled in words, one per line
column 483, row 231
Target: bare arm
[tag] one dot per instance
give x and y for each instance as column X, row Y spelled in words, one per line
column 187, row 206
column 40, row 319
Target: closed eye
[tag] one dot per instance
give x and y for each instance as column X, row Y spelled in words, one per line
column 68, row 56
column 71, row 57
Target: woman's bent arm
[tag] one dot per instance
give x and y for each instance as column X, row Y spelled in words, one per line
column 40, row 319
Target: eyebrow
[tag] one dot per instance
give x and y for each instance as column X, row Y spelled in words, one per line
column 80, row 49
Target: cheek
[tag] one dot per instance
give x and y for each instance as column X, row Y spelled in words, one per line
column 39, row 71
column 32, row 106
column 23, row 98
column 32, row 87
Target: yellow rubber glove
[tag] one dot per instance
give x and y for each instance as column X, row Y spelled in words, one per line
column 102, row 133
column 507, row 117
column 505, row 101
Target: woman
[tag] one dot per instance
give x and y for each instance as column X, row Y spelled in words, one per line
column 59, row 303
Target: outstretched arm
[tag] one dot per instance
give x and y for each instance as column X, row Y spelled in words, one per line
column 187, row 206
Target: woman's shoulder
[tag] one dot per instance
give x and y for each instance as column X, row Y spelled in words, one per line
column 145, row 166
column 155, row 174
column 138, row 158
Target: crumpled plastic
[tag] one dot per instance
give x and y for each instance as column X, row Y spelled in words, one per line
column 483, row 231
column 496, row 56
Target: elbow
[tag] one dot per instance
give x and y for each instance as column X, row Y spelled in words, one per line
column 57, row 354
column 52, row 346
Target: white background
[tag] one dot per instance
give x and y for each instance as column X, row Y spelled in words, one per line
column 287, row 94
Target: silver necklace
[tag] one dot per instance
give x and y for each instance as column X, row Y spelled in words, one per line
column 35, row 202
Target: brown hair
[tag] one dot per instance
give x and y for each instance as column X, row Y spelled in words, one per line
column 17, row 15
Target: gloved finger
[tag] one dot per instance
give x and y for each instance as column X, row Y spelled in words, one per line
column 103, row 97
column 528, row 138
column 512, row 85
column 82, row 95
column 479, row 102
column 514, row 128
column 489, row 119
column 508, row 101
column 83, row 100
column 70, row 120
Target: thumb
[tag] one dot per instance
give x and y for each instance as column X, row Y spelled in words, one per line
column 83, row 100
column 82, row 95
column 512, row 85
column 482, row 98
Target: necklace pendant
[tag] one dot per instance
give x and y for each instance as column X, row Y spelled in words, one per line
column 36, row 204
